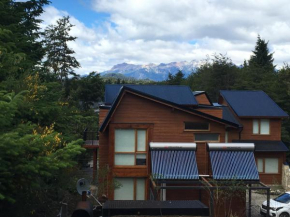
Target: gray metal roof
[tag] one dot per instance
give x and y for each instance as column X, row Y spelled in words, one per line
column 181, row 95
column 237, row 165
column 252, row 103
column 266, row 146
column 174, row 164
column 229, row 116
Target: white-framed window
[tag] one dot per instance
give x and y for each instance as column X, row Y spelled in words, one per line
column 130, row 189
column 268, row 165
column 261, row 126
column 130, row 147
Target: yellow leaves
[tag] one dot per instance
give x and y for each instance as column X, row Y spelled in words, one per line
column 34, row 87
column 63, row 103
column 51, row 139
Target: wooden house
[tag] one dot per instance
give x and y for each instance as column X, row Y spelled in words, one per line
column 171, row 133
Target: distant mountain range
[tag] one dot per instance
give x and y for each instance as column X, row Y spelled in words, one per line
column 152, row 71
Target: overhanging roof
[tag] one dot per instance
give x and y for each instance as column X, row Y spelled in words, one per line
column 178, row 94
column 266, row 146
column 246, row 103
column 174, row 105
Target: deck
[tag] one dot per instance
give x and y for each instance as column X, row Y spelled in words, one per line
column 151, row 207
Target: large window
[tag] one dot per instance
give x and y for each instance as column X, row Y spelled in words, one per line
column 131, row 189
column 268, row 165
column 196, row 126
column 206, row 137
column 261, row 126
column 130, row 147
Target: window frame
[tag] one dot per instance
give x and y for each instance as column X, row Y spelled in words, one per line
column 135, row 186
column 136, row 152
column 219, row 138
column 202, row 130
column 264, row 165
column 259, row 127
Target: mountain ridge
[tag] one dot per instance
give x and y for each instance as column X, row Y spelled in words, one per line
column 155, row 72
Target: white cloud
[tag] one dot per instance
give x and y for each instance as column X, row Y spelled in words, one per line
column 155, row 31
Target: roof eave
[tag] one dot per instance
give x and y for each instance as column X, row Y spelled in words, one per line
column 125, row 88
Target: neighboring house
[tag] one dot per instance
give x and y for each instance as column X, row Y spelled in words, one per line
column 171, row 133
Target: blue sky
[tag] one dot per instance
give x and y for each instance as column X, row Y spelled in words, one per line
column 110, row 32
column 81, row 10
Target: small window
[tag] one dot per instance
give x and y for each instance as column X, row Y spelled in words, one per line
column 261, row 126
column 196, row 126
column 213, row 137
column 268, row 165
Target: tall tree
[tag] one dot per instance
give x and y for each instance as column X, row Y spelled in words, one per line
column 218, row 73
column 60, row 60
column 176, row 79
column 261, row 55
column 19, row 34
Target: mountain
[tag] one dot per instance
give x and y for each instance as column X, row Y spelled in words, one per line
column 153, row 71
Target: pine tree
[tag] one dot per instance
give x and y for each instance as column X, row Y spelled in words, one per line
column 60, row 61
column 261, row 55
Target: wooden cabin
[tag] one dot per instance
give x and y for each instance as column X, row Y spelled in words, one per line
column 137, row 117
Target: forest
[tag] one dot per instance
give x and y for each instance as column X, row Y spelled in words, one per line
column 45, row 106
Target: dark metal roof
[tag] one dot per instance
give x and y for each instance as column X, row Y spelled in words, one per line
column 238, row 165
column 178, row 94
column 124, row 88
column 174, row 164
column 247, row 103
column 229, row 116
column 155, row 208
column 265, row 146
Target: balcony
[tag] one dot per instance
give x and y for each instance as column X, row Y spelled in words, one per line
column 91, row 139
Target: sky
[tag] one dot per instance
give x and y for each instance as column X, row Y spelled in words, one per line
column 111, row 32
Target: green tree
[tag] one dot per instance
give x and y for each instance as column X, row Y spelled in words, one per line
column 19, row 34
column 176, row 79
column 218, row 73
column 261, row 56
column 60, row 60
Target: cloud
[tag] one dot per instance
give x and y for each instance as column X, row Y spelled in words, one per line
column 150, row 31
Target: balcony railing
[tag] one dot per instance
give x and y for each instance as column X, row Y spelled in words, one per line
column 91, row 137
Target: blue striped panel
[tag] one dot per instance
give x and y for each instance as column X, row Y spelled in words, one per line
column 174, row 164
column 239, row 165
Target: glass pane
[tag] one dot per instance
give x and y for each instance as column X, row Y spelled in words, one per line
column 141, row 159
column 140, row 189
column 124, row 159
column 196, row 126
column 124, row 140
column 126, row 191
column 271, row 165
column 265, row 126
column 206, row 137
column 255, row 126
column 260, row 165
column 141, row 140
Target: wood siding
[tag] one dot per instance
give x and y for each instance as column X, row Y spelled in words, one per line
column 271, row 179
column 214, row 112
column 202, row 99
column 102, row 115
column 247, row 133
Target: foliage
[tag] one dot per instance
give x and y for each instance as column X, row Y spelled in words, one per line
column 19, row 34
column 60, row 61
column 261, row 56
column 176, row 79
column 218, row 73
